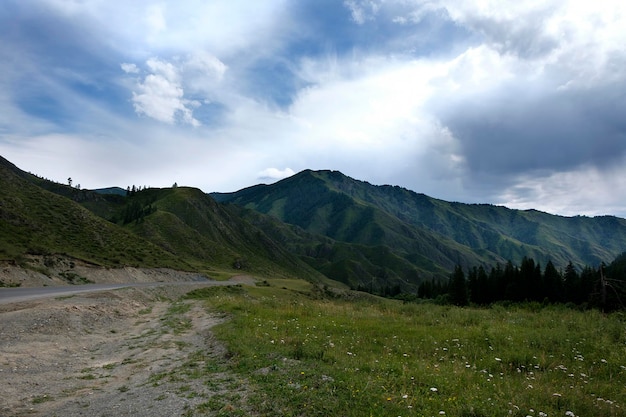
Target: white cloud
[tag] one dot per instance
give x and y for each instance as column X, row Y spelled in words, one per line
column 362, row 10
column 129, row 68
column 376, row 102
column 155, row 19
column 586, row 191
column 274, row 174
column 202, row 74
column 161, row 93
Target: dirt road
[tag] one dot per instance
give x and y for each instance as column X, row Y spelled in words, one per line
column 124, row 352
column 13, row 295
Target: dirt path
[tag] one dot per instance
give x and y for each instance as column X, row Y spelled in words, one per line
column 115, row 353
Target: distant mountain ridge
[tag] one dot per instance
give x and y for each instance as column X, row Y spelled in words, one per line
column 314, row 225
column 111, row 190
column 416, row 226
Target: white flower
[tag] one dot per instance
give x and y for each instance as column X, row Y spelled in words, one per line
column 498, row 360
column 433, row 389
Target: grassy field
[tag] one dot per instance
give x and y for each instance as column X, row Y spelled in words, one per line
column 310, row 354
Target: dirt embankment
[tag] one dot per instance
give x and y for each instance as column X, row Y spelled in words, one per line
column 128, row 352
column 53, row 270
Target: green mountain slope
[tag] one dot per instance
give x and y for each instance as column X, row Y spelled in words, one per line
column 180, row 228
column 414, row 225
column 189, row 223
column 356, row 265
column 36, row 221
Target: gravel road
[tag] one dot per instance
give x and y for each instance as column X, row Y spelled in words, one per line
column 13, row 295
column 116, row 352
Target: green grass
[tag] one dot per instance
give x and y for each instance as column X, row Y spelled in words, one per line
column 316, row 357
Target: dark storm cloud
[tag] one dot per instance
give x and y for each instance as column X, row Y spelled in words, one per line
column 514, row 130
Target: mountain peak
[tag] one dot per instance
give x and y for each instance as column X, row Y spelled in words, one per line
column 417, row 226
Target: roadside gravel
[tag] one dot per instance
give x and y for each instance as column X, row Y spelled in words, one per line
column 127, row 352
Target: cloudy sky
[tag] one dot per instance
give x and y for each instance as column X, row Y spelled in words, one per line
column 515, row 103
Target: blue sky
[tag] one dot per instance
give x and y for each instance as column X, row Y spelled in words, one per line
column 519, row 103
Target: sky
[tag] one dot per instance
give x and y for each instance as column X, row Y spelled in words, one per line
column 521, row 104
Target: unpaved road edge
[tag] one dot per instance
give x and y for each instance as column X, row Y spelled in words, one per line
column 126, row 352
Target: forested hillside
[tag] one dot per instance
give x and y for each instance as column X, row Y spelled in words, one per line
column 414, row 225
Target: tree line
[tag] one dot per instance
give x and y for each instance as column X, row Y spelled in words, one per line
column 603, row 287
column 139, row 204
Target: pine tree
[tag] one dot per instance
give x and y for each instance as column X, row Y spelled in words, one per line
column 571, row 284
column 552, row 283
column 458, row 287
column 484, row 289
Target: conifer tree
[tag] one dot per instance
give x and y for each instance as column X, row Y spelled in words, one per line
column 458, row 287
column 552, row 283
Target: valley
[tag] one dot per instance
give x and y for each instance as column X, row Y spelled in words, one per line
column 316, row 295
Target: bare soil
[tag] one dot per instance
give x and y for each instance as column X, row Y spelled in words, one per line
column 128, row 352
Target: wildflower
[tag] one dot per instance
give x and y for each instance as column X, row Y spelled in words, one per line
column 405, row 396
column 442, row 413
column 498, row 360
column 570, row 414
column 433, row 389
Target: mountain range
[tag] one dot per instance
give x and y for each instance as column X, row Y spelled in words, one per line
column 404, row 234
column 314, row 225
